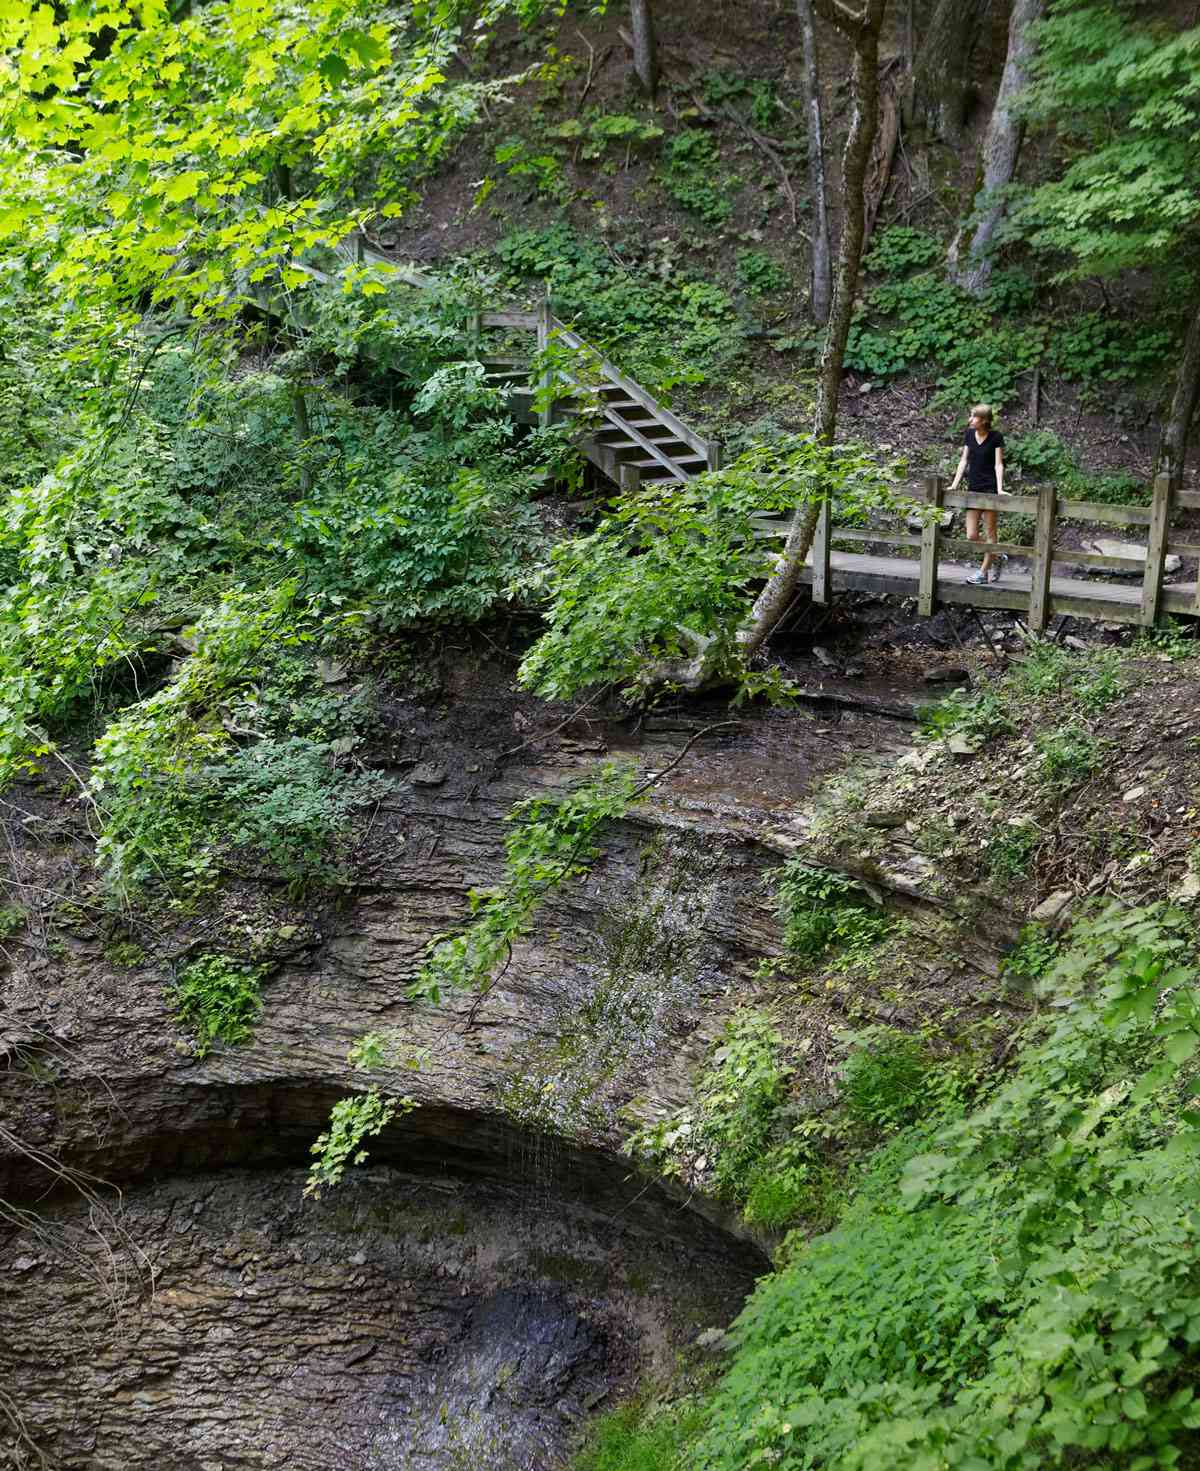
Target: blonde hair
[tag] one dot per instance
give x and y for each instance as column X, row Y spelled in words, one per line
column 984, row 411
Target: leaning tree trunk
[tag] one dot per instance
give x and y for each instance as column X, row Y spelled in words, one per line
column 1172, row 447
column 776, row 597
column 1001, row 146
column 645, row 48
column 810, row 87
column 941, row 79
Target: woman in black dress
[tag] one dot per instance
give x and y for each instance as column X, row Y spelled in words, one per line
column 982, row 460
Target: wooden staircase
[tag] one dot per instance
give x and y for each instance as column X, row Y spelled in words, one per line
column 626, row 433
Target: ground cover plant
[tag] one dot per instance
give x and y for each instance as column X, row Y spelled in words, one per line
column 1046, row 1337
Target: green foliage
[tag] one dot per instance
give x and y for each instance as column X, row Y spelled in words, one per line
column 980, row 716
column 1015, row 1287
column 823, row 910
column 760, row 274
column 1122, row 92
column 1094, row 349
column 1069, row 754
column 521, row 159
column 889, row 1079
column 1032, row 957
column 693, row 176
column 898, row 249
column 613, row 613
column 630, row 1439
column 219, row 999
column 663, row 329
column 1010, row 850
column 1172, row 640
column 236, row 99
column 593, row 134
column 127, row 954
column 738, row 1112
column 351, row 1121
column 12, row 919
column 548, row 842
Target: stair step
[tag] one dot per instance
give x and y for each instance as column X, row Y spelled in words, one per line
column 621, row 404
column 682, row 461
column 668, row 446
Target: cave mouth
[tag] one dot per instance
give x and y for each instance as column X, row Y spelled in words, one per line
column 464, row 1300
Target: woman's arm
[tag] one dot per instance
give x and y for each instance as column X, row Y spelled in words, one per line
column 962, row 465
column 1000, row 470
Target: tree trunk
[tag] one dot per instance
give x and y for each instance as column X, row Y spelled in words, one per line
column 777, row 596
column 1001, row 146
column 303, row 435
column 645, row 49
column 810, row 85
column 942, row 71
column 1172, row 447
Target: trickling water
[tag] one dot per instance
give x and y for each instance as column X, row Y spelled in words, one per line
column 506, row 1395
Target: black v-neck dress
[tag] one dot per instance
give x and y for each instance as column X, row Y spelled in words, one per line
column 981, row 461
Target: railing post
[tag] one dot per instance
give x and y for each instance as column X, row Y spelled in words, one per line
column 1156, row 548
column 543, row 384
column 713, row 454
column 1043, row 559
column 629, row 477
column 821, row 586
column 931, row 535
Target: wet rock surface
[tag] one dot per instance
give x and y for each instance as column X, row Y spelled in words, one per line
column 499, row 1267
column 406, row 1321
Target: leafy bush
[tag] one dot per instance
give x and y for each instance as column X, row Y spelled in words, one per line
column 219, row 999
column 899, row 249
column 1095, row 349
column 1032, row 957
column 981, row 716
column 362, row 1116
column 548, row 842
column 759, row 274
column 890, row 1080
column 1011, row 291
column 1015, row 1288
column 1010, row 849
column 614, row 610
column 1069, row 754
column 1041, row 454
column 594, row 133
column 693, row 176
column 823, row 910
column 664, row 330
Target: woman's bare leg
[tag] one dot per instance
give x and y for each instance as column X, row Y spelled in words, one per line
column 989, row 518
column 972, row 519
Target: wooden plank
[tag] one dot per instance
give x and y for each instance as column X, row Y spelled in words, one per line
column 1183, row 548
column 648, row 444
column 1187, row 499
column 1005, row 504
column 629, row 478
column 633, row 390
column 822, row 577
column 1039, row 580
column 525, row 320
column 879, row 538
column 1105, row 515
column 964, row 548
column 931, row 534
column 1156, row 548
column 715, row 454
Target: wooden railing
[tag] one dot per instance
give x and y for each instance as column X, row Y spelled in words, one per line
column 1049, row 510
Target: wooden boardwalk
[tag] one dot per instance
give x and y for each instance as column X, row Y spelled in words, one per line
column 633, row 439
column 1116, row 602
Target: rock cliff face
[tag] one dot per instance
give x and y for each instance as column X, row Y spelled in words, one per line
column 497, row 1257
